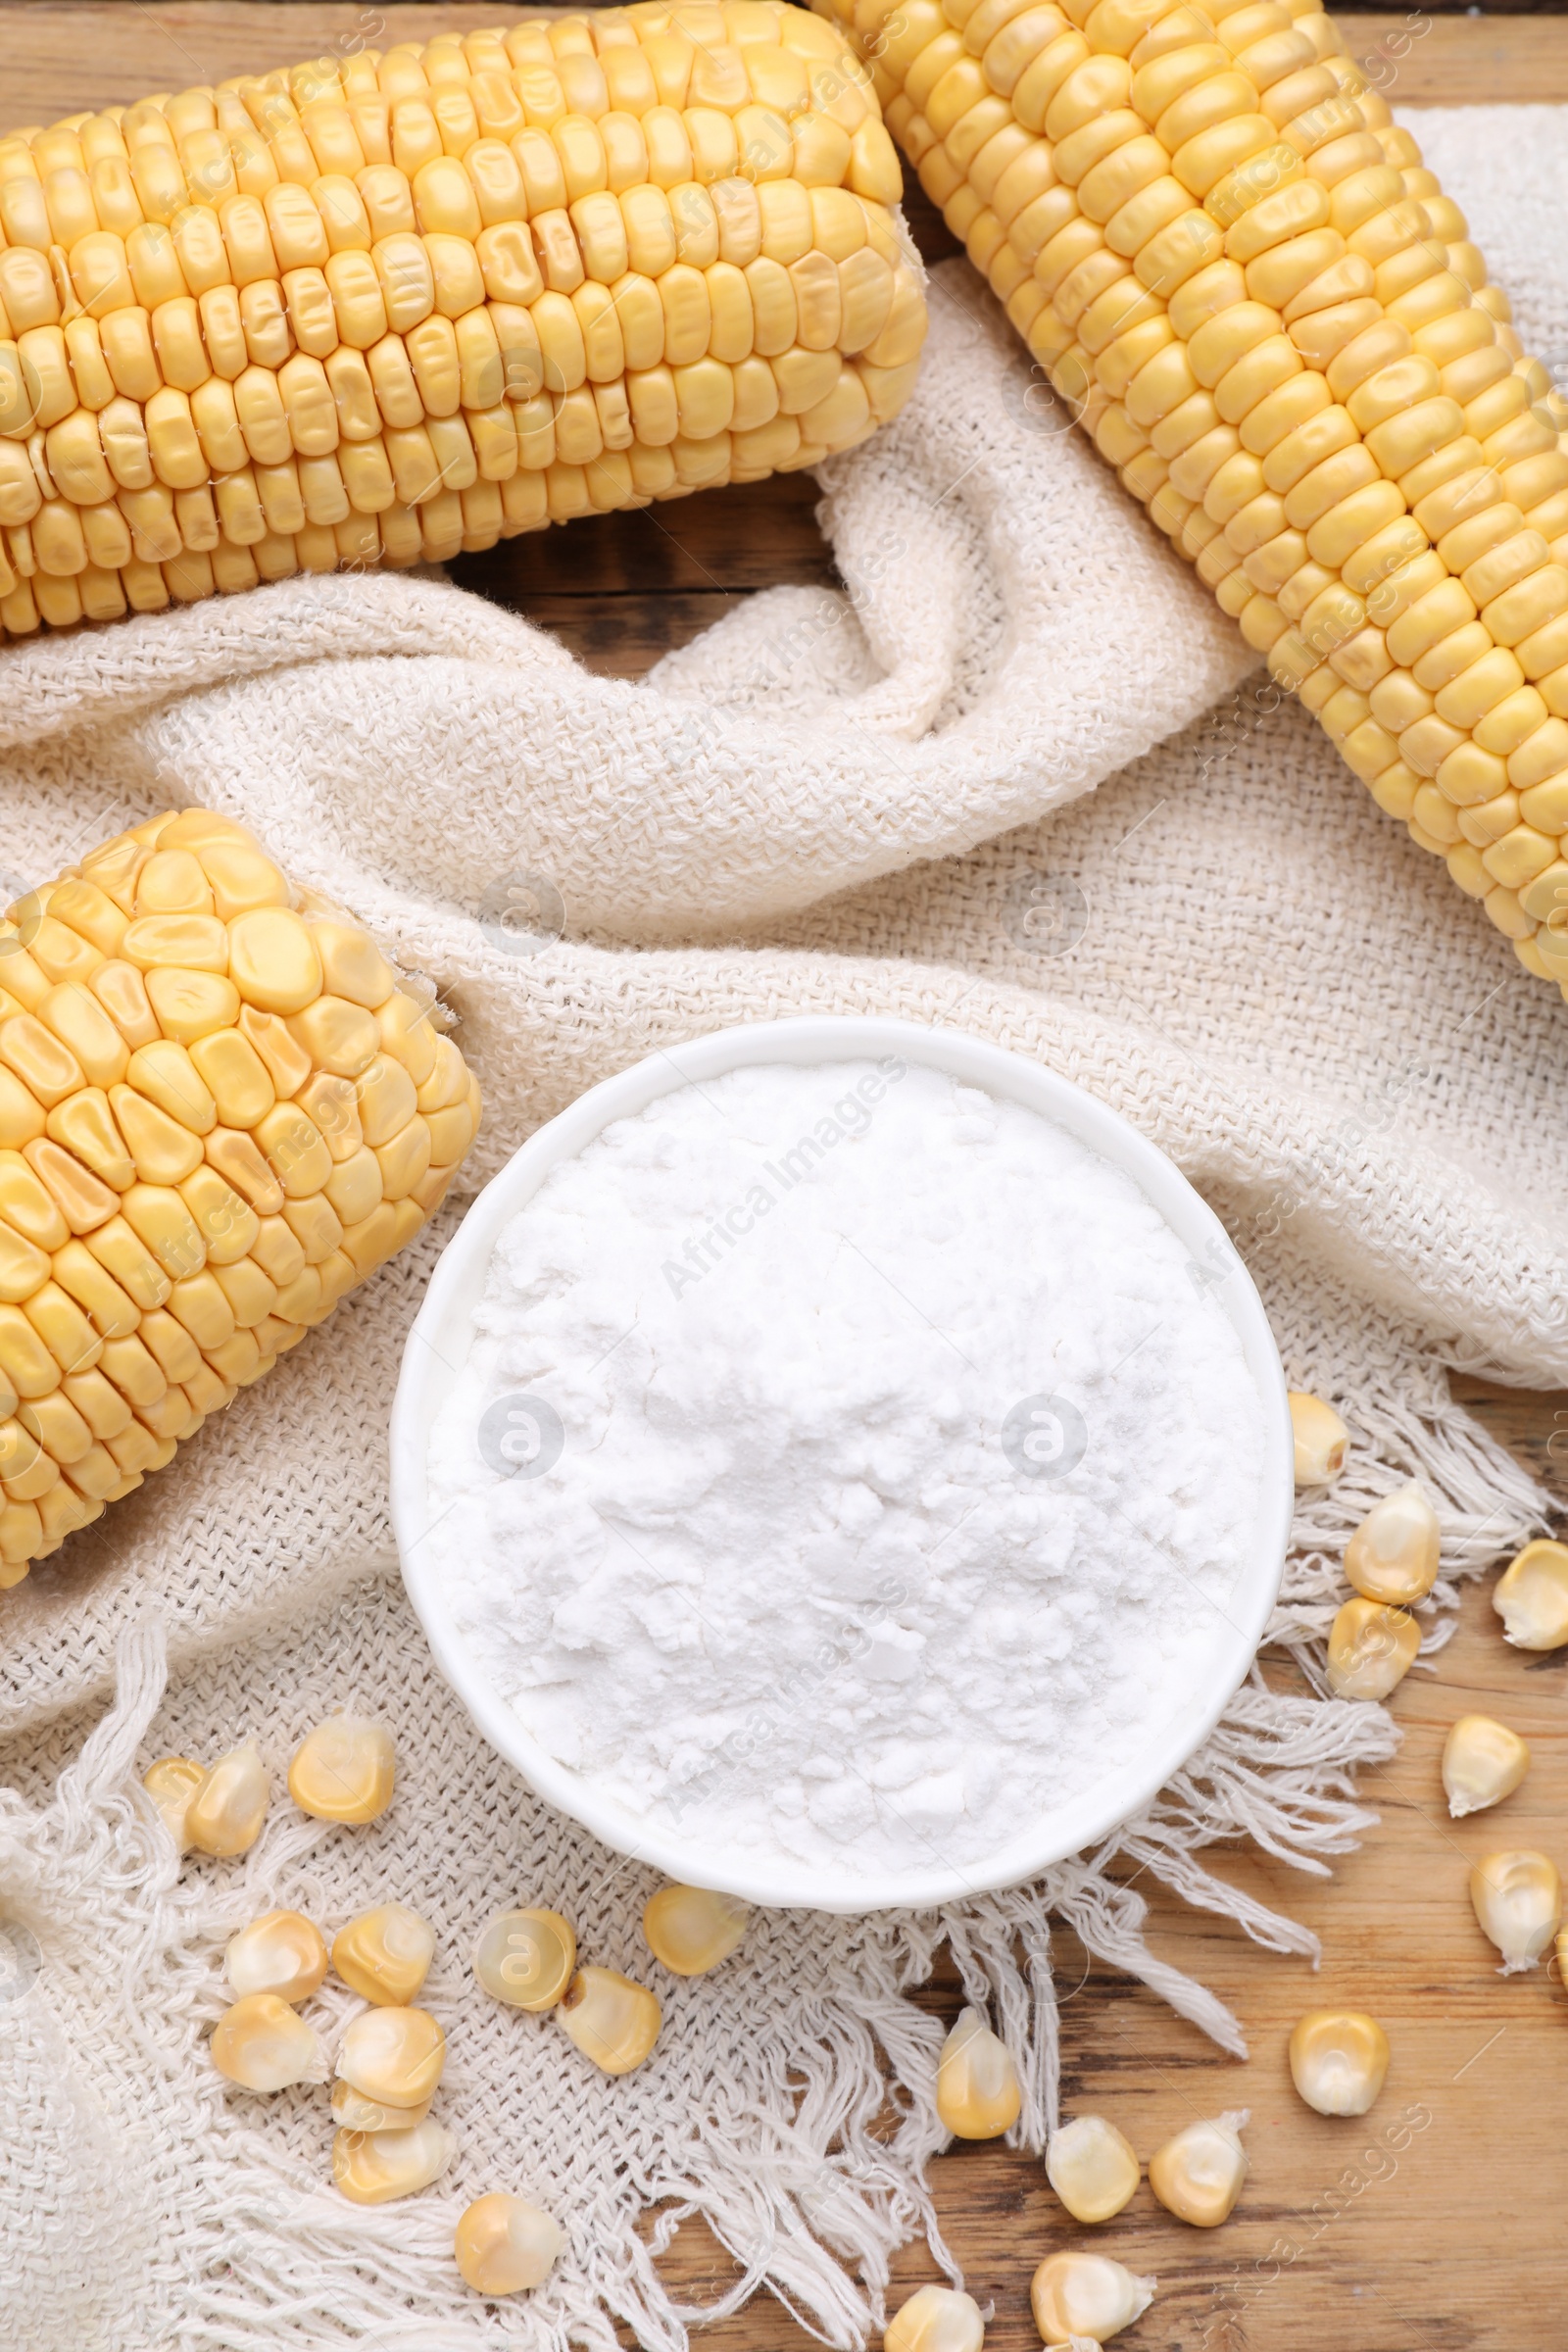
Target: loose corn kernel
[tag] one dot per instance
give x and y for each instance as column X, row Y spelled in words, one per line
column 1198, row 2175
column 977, row 2084
column 279, row 1953
column 343, row 1770
column 504, row 2244
column 691, row 1930
column 171, row 1783
column 1339, row 2059
column 356, row 2113
column 1531, row 1596
column 1293, row 323
column 385, row 1954
column 263, row 2044
column 1371, row 1650
column 157, row 1080
column 1517, row 1899
column 935, row 2319
column 225, row 1813
column 1321, row 1439
column 372, row 2168
column 1092, row 2167
column 1393, row 1556
column 394, row 2056
column 1483, row 1762
column 612, row 2021
column 526, row 1958
column 1077, row 2295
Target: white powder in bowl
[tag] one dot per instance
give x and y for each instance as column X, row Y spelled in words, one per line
column 884, row 1467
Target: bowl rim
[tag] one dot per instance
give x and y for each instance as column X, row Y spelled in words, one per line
column 441, row 1334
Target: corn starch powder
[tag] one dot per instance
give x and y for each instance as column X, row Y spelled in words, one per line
column 849, row 1465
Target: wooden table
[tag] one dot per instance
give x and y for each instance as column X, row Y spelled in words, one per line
column 1435, row 2225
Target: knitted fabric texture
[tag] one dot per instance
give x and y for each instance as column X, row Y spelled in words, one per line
column 1225, row 941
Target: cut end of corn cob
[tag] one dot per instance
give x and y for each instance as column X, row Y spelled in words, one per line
column 219, row 1110
column 1239, row 275
column 381, row 309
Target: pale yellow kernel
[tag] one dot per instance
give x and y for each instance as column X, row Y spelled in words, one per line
column 1321, row 1439
column 171, row 1783
column 1076, row 2295
column 1199, row 2175
column 225, row 1814
column 372, row 2168
column 1393, row 1556
column 394, row 2055
column 935, row 2319
column 343, row 1770
column 614, row 2022
column 279, row 1953
column 263, row 2044
column 1371, row 1650
column 692, row 1929
column 1532, row 1596
column 526, row 1958
column 977, row 2093
column 1517, row 1899
column 1339, row 2060
column 1092, row 2168
column 385, row 1954
column 504, row 2246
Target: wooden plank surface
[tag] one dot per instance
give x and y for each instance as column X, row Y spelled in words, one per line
column 1433, row 2225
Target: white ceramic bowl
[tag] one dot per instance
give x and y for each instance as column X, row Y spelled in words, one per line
column 443, row 1332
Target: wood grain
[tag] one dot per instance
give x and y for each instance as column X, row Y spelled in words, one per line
column 60, row 56
column 1432, row 2225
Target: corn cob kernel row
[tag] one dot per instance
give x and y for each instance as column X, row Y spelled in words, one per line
column 381, row 309
column 218, row 1112
column 1217, row 256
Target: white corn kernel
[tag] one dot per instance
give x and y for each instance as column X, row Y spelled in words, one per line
column 1198, row 2174
column 1532, row 1596
column 526, row 1958
column 1371, row 1650
column 227, row 1812
column 171, row 1783
column 1092, row 2167
column 612, row 2021
column 1339, row 2058
column 1077, row 2295
column 1393, row 1556
column 691, row 1930
column 1321, row 1439
column 394, row 2056
column 1483, row 1762
column 505, row 2244
column 356, row 2113
column 385, row 1954
column 280, row 1953
column 1517, row 1898
column 343, row 1770
column 977, row 2084
column 263, row 2044
column 372, row 2168
column 935, row 2319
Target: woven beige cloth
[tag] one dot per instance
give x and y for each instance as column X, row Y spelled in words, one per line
column 1224, row 940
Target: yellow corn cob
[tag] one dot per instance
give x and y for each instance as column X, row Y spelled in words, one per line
column 218, row 1112
column 1242, row 277
column 379, row 309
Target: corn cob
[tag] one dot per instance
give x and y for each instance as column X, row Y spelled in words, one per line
column 1241, row 276
column 377, row 310
column 218, row 1112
